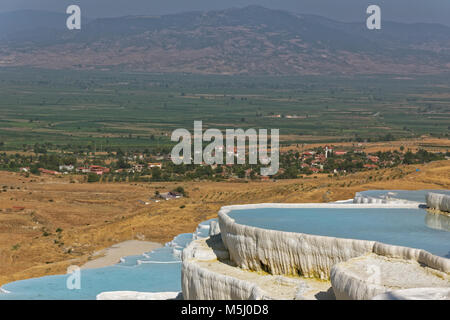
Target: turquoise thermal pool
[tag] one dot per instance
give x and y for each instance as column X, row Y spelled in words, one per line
column 396, row 226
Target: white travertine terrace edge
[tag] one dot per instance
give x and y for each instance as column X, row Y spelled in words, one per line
column 365, row 277
column 199, row 283
column 202, row 284
column 438, row 201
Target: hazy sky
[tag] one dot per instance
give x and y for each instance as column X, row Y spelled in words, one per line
column 344, row 10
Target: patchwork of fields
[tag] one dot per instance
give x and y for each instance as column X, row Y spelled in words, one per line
column 107, row 110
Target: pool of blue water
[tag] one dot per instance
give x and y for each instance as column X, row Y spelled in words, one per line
column 403, row 227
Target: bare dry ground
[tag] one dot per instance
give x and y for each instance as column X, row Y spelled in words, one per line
column 65, row 223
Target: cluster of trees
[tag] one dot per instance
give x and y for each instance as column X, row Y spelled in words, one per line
column 89, row 149
column 51, row 162
column 422, row 156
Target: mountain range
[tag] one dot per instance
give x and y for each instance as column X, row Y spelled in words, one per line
column 253, row 41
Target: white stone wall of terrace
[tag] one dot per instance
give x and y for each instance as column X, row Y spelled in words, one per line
column 214, row 228
column 365, row 277
column 421, row 256
column 438, row 201
column 279, row 252
column 199, row 283
column 364, row 199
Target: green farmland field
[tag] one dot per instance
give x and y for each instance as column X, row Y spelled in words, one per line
column 111, row 109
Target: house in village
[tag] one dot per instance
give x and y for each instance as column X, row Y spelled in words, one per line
column 83, row 170
column 93, row 169
column 98, row 170
column 50, row 172
column 374, row 159
column 137, row 168
column 154, row 165
column 170, row 195
column 66, row 168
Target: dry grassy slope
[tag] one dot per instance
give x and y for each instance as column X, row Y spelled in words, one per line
column 95, row 216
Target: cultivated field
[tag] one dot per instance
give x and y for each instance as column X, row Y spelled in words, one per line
column 107, row 110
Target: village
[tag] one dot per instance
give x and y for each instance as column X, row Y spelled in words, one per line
column 146, row 167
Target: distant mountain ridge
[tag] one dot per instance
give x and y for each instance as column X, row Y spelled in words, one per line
column 250, row 40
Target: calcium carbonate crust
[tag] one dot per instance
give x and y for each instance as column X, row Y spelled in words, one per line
column 363, row 278
column 438, row 201
column 365, row 199
column 199, row 283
